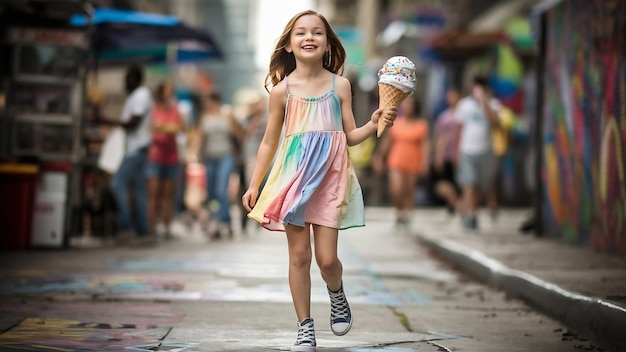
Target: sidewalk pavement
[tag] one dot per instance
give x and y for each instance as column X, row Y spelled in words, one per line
column 190, row 294
column 583, row 289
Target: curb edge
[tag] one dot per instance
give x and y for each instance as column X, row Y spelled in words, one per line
column 600, row 320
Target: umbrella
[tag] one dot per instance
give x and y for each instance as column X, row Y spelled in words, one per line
column 122, row 36
column 106, row 15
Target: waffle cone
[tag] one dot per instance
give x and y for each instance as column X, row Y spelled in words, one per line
column 389, row 96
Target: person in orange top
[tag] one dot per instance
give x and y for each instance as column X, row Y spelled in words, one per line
column 404, row 151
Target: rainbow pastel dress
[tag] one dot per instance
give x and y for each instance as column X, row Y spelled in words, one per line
column 312, row 179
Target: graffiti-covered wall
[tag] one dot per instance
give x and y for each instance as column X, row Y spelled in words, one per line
column 584, row 123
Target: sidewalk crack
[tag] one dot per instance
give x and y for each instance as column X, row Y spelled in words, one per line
column 402, row 318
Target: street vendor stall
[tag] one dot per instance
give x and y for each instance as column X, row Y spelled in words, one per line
column 48, row 50
column 42, row 84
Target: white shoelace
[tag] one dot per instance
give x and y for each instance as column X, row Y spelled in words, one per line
column 306, row 334
column 339, row 304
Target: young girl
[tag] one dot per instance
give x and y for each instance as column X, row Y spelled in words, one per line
column 312, row 183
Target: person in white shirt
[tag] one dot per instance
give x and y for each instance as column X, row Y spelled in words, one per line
column 477, row 113
column 131, row 175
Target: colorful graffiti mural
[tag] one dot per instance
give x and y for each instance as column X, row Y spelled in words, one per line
column 584, row 123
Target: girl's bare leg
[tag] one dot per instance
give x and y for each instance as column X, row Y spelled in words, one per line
column 326, row 239
column 299, row 242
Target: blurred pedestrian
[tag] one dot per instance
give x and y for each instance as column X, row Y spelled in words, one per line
column 253, row 127
column 478, row 114
column 131, row 175
column 311, row 183
column 217, row 129
column 501, row 138
column 251, row 134
column 404, row 152
column 446, row 134
column 163, row 162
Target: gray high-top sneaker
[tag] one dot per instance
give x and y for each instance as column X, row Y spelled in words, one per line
column 305, row 342
column 340, row 314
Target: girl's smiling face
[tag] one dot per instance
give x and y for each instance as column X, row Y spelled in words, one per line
column 308, row 38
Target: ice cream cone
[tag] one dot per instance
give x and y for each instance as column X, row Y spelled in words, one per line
column 389, row 96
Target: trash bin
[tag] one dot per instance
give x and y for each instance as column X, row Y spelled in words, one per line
column 18, row 188
column 49, row 209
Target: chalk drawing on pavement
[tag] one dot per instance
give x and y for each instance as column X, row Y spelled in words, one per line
column 71, row 335
column 96, row 283
column 142, row 316
column 224, row 278
column 222, row 266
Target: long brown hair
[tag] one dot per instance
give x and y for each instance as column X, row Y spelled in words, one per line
column 283, row 63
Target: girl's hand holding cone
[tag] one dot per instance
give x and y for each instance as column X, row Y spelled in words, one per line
column 385, row 117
